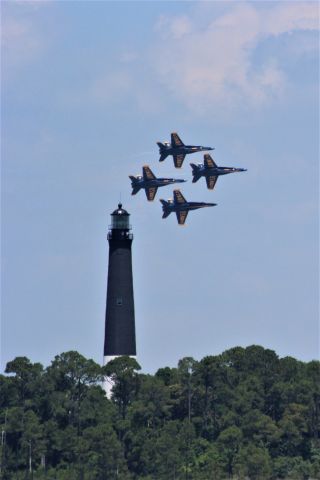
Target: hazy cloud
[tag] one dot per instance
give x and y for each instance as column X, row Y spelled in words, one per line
column 21, row 37
column 20, row 42
column 111, row 86
column 214, row 64
column 174, row 27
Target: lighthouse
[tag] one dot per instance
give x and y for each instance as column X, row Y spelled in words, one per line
column 120, row 338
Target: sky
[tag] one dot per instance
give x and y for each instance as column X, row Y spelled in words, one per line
column 87, row 89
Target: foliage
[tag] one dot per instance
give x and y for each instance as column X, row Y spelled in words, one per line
column 244, row 414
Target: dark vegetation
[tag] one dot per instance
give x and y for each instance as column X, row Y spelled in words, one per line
column 244, row 413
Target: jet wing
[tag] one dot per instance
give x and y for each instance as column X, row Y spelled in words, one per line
column 208, row 161
column 147, row 173
column 211, row 181
column 178, row 160
column 181, row 216
column 151, row 193
column 178, row 197
column 176, row 140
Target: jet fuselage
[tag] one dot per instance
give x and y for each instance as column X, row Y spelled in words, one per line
column 180, row 207
column 157, row 182
column 183, row 149
column 202, row 170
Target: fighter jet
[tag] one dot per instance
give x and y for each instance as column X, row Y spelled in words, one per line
column 150, row 182
column 180, row 205
column 178, row 149
column 210, row 170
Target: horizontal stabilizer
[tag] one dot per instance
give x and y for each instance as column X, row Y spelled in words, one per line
column 166, row 214
column 195, row 178
column 165, row 208
column 195, row 172
column 135, row 190
column 163, row 156
column 164, row 203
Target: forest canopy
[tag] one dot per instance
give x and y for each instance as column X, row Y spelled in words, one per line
column 244, row 413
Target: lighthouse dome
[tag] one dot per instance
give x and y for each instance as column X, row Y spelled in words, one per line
column 120, row 218
column 120, row 211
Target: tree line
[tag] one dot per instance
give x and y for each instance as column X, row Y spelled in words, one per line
column 243, row 414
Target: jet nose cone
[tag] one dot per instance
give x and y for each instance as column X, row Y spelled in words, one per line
column 211, row 204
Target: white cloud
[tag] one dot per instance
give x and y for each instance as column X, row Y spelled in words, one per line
column 205, row 66
column 176, row 27
column 290, row 16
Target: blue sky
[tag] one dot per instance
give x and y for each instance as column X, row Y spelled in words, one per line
column 88, row 88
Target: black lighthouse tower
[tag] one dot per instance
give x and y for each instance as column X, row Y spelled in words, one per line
column 120, row 338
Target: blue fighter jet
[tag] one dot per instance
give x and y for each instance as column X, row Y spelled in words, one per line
column 178, row 149
column 150, row 182
column 180, row 205
column 210, row 170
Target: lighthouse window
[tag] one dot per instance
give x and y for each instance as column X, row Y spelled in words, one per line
column 119, row 301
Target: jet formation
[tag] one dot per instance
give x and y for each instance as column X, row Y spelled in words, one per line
column 179, row 205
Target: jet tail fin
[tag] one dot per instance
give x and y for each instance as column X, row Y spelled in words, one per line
column 195, row 173
column 163, row 154
column 135, row 187
column 165, row 205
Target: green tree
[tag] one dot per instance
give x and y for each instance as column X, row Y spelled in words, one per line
column 25, row 380
column 72, row 374
column 228, row 443
column 293, row 429
column 102, row 454
column 123, row 373
column 253, row 462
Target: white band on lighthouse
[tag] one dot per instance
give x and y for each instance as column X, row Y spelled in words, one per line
column 107, row 383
